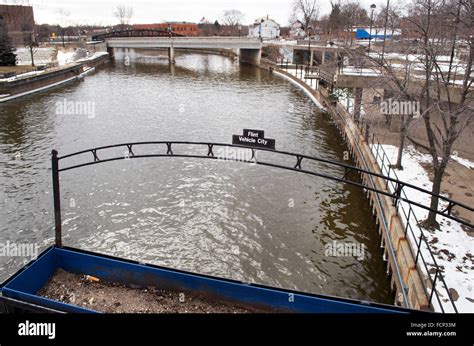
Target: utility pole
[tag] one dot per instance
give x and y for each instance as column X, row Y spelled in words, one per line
column 372, row 8
column 385, row 28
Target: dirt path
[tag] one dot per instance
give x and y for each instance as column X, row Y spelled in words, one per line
column 458, row 180
column 116, row 298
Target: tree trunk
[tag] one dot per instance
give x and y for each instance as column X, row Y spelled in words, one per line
column 32, row 56
column 401, row 146
column 438, row 176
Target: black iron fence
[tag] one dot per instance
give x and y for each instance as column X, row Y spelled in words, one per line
column 425, row 259
column 422, row 251
column 310, row 74
column 170, row 149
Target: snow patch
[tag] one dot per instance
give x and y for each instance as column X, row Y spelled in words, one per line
column 65, row 57
column 453, row 248
column 465, row 162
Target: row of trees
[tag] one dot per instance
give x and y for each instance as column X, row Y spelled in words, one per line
column 345, row 15
column 429, row 72
column 446, row 101
column 434, row 77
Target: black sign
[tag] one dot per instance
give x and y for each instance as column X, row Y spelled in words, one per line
column 254, row 139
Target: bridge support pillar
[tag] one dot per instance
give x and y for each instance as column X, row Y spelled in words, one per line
column 111, row 52
column 250, row 56
column 171, row 55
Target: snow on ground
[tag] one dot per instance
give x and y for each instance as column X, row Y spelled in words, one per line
column 65, row 57
column 412, row 57
column 282, row 42
column 22, row 75
column 453, row 249
column 351, row 70
column 78, row 55
column 42, row 56
column 452, row 246
column 92, row 56
column 466, row 163
column 457, row 69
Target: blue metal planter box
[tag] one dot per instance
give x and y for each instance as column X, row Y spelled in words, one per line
column 24, row 285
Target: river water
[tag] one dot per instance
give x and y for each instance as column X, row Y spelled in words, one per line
column 234, row 220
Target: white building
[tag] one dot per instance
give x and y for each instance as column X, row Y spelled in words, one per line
column 297, row 30
column 265, row 28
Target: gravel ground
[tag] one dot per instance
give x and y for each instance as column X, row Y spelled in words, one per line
column 98, row 295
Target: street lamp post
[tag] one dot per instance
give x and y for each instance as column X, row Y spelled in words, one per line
column 372, row 8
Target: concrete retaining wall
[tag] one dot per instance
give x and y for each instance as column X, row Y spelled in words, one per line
column 398, row 252
column 54, row 77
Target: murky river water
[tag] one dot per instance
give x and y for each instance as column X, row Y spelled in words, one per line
column 228, row 219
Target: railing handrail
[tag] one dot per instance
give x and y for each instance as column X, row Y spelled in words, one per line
column 452, row 203
column 396, row 195
column 422, row 238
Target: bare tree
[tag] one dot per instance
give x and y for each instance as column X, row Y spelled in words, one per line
column 29, row 40
column 232, row 17
column 353, row 14
column 335, row 17
column 306, row 11
column 441, row 24
column 124, row 15
column 63, row 18
column 428, row 78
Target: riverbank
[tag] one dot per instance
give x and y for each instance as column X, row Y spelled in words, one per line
column 445, row 252
column 32, row 82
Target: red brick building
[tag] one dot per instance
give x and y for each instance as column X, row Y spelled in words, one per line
column 181, row 28
column 17, row 19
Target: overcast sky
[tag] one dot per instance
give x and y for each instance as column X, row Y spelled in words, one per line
column 149, row 11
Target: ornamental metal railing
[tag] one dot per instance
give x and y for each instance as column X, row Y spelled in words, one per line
column 422, row 252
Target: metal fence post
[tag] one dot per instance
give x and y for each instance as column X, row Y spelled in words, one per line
column 57, row 198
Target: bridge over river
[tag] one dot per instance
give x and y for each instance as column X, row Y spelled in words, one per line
column 249, row 50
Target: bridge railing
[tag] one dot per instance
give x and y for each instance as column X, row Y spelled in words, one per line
column 145, row 33
column 135, row 33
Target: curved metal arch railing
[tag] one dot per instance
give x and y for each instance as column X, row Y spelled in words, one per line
column 299, row 161
column 298, row 167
